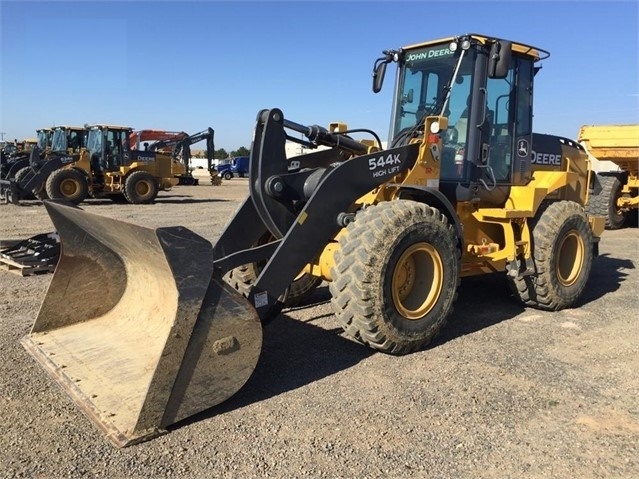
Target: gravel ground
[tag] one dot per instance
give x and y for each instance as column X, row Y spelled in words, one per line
column 503, row 392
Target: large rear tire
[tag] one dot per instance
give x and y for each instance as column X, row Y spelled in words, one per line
column 603, row 201
column 396, row 276
column 140, row 188
column 67, row 184
column 562, row 256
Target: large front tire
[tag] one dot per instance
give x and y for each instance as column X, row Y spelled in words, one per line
column 67, row 184
column 19, row 176
column 396, row 276
column 562, row 256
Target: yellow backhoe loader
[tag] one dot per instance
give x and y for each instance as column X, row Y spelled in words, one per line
column 465, row 188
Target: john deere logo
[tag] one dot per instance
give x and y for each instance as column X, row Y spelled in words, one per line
column 522, row 147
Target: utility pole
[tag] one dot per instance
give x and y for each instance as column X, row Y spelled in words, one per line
column 2, row 133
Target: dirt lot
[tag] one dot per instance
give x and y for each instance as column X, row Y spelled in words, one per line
column 503, row 392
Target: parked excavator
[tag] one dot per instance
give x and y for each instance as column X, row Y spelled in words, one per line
column 139, row 139
column 392, row 231
column 178, row 145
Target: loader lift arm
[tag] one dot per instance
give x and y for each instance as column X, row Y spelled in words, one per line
column 202, row 341
column 305, row 207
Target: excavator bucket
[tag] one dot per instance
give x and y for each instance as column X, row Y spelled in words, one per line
column 137, row 327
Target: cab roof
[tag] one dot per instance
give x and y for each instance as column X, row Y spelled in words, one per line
column 69, row 127
column 111, row 127
column 528, row 50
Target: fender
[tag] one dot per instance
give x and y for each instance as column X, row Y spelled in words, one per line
column 436, row 199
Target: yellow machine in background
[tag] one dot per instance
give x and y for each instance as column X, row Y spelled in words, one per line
column 465, row 188
column 28, row 172
column 615, row 190
column 178, row 145
column 107, row 167
column 45, row 135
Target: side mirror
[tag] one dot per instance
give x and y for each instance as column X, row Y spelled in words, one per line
column 378, row 75
column 499, row 61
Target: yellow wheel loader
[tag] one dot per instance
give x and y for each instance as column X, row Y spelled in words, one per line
column 27, row 175
column 464, row 188
column 108, row 168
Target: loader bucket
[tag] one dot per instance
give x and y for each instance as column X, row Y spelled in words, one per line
column 137, row 328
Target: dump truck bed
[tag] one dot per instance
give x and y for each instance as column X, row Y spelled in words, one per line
column 616, row 143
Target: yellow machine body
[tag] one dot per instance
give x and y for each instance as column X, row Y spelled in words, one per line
column 175, row 326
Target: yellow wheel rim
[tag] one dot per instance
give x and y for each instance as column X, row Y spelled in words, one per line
column 69, row 187
column 142, row 188
column 571, row 258
column 417, row 281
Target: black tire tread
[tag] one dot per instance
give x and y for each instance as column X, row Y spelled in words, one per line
column 602, row 200
column 242, row 278
column 363, row 244
column 20, row 174
column 541, row 290
column 129, row 187
column 52, row 185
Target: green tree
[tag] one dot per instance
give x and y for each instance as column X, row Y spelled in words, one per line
column 241, row 151
column 220, row 154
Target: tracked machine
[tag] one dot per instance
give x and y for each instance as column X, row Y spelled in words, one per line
column 177, row 324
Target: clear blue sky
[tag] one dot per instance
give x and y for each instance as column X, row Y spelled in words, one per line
column 190, row 65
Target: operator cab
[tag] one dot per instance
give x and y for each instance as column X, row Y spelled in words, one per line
column 108, row 147
column 483, row 87
column 44, row 138
column 67, row 138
